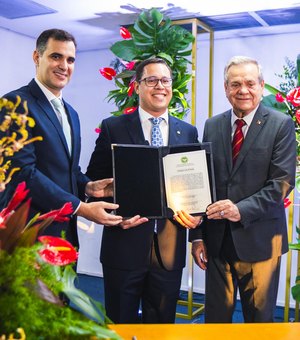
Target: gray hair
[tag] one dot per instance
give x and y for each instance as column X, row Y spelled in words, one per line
column 238, row 60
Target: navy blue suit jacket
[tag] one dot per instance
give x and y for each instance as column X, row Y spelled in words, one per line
column 130, row 249
column 50, row 172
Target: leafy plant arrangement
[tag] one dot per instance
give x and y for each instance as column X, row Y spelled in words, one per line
column 296, row 288
column 287, row 98
column 35, row 275
column 152, row 35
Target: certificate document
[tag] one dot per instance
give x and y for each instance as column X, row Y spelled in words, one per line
column 157, row 182
column 187, row 181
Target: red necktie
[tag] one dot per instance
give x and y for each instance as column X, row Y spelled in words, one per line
column 238, row 139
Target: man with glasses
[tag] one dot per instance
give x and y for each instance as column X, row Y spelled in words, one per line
column 143, row 265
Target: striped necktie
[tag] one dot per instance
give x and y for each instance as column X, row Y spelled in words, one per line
column 238, row 139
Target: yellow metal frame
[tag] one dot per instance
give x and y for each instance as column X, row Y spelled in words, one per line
column 195, row 308
column 291, row 214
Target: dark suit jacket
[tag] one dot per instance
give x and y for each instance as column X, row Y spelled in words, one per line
column 263, row 175
column 130, row 249
column 50, row 172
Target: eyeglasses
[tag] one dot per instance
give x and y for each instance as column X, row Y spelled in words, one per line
column 153, row 81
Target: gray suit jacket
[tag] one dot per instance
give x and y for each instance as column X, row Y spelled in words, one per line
column 263, row 175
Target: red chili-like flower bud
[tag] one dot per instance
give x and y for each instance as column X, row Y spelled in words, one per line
column 125, row 34
column 129, row 110
column 108, row 72
column 279, row 97
column 130, row 66
column 287, row 202
column 130, row 89
column 98, row 130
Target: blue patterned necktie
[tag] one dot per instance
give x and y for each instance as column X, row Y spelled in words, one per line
column 156, row 136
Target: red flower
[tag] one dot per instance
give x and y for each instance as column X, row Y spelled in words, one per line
column 98, row 130
column 294, row 96
column 287, row 202
column 129, row 110
column 125, row 34
column 57, row 251
column 59, row 215
column 18, row 197
column 130, row 66
column 279, row 97
column 297, row 114
column 108, row 72
column 130, row 89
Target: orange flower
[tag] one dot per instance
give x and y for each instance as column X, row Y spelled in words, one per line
column 57, row 251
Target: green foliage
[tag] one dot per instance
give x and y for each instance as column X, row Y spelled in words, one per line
column 296, row 288
column 29, row 290
column 153, row 35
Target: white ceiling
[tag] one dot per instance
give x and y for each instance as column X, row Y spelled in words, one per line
column 95, row 23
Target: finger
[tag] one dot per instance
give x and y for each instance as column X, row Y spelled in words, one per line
column 184, row 218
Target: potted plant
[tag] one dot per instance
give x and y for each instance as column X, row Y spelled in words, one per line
column 151, row 35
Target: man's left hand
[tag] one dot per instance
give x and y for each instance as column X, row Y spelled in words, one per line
column 100, row 188
column 224, row 209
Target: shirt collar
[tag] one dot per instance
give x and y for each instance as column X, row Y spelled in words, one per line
column 47, row 92
column 144, row 115
column 248, row 118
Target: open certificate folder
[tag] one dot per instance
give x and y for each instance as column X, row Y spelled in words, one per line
column 156, row 182
column 186, row 181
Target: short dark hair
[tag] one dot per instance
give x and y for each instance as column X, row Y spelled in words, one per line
column 56, row 34
column 140, row 67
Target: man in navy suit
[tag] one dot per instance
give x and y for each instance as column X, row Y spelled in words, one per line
column 245, row 232
column 50, row 167
column 143, row 264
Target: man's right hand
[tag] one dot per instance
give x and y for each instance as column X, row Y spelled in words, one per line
column 95, row 212
column 199, row 253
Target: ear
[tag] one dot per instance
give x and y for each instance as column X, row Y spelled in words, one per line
column 136, row 87
column 36, row 57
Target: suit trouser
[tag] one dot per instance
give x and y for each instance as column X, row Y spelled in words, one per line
column 257, row 284
column 152, row 287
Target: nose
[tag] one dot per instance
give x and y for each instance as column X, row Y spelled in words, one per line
column 159, row 83
column 63, row 64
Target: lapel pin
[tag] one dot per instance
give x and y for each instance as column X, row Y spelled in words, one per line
column 178, row 132
column 258, row 122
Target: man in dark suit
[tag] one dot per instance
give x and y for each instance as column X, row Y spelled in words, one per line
column 241, row 241
column 143, row 264
column 50, row 167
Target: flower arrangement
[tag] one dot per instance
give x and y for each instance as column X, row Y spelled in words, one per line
column 287, row 100
column 152, row 35
column 34, row 276
column 12, row 142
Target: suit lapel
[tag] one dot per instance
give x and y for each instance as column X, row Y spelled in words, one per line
column 254, row 129
column 46, row 107
column 226, row 138
column 134, row 128
column 174, row 131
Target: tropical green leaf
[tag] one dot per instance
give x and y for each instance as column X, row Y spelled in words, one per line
column 124, row 49
column 296, row 292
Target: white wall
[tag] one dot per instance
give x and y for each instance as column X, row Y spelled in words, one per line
column 88, row 89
